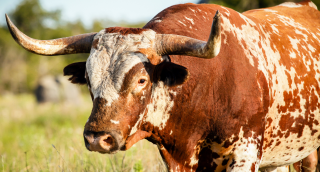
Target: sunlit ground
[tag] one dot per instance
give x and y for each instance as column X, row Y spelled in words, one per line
column 48, row 137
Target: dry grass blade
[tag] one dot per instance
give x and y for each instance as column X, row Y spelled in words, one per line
column 122, row 163
column 2, row 163
column 62, row 168
column 26, row 161
column 112, row 166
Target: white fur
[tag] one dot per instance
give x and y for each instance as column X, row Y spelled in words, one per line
column 192, row 9
column 114, row 122
column 158, row 110
column 182, row 23
column 311, row 4
column 114, row 57
column 135, row 127
column 290, row 4
column 190, row 19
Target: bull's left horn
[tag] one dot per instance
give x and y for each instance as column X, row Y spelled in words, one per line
column 68, row 45
column 167, row 44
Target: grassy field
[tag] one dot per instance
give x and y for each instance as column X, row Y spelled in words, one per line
column 48, row 137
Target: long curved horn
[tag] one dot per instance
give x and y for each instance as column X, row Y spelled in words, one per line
column 68, row 45
column 169, row 44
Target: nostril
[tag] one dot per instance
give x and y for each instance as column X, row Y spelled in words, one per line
column 108, row 140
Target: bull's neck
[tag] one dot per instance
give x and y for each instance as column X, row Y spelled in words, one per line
column 177, row 124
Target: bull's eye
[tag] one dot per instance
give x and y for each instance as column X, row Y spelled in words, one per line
column 142, row 81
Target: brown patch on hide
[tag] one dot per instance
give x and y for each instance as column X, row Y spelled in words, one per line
column 151, row 54
column 124, row 31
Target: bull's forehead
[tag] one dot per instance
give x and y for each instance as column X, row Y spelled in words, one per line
column 112, row 56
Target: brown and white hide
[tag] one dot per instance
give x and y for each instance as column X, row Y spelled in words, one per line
column 253, row 106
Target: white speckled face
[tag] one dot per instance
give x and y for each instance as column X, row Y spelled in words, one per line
column 111, row 58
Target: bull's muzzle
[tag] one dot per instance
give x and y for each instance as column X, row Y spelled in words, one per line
column 102, row 142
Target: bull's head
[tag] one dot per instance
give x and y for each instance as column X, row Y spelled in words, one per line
column 126, row 70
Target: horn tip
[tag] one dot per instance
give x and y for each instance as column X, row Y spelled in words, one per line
column 9, row 22
column 217, row 14
column 7, row 18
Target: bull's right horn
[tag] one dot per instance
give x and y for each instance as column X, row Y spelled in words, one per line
column 69, row 45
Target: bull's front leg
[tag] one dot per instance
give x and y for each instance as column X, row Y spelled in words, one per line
column 244, row 154
column 246, row 157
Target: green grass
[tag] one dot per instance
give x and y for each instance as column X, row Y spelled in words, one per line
column 48, row 137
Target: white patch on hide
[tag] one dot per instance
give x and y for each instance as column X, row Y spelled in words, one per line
column 158, row 110
column 182, row 23
column 227, row 12
column 114, row 122
column 190, row 19
column 292, row 55
column 275, row 30
column 193, row 160
column 271, row 11
column 192, row 9
column 290, row 4
column 311, row 4
column 246, row 149
column 294, row 43
column 247, row 32
column 135, row 127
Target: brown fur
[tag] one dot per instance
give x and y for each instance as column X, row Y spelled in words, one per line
column 124, row 31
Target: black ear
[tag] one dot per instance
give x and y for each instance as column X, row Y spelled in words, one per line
column 171, row 74
column 77, row 72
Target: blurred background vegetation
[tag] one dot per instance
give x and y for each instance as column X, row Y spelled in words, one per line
column 19, row 69
column 48, row 137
